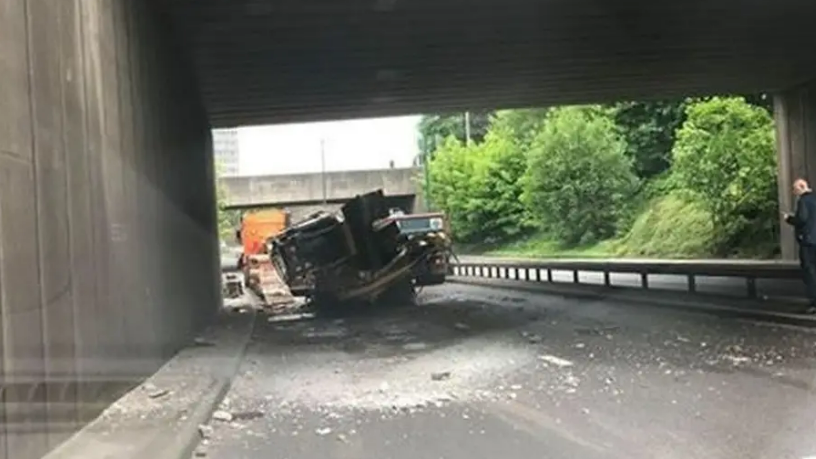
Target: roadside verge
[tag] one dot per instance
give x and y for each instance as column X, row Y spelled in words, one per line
column 160, row 419
column 772, row 310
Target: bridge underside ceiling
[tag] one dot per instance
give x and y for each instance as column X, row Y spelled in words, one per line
column 265, row 61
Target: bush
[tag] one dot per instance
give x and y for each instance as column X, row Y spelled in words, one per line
column 671, row 226
column 725, row 157
column 578, row 178
column 479, row 187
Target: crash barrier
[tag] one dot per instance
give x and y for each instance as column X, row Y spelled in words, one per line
column 749, row 272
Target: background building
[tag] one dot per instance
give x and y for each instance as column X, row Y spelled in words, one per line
column 225, row 148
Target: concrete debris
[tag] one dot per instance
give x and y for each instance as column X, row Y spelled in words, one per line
column 158, row 393
column 149, row 387
column 201, row 342
column 200, row 452
column 223, row 416
column 247, row 415
column 737, row 360
column 557, row 361
column 322, row 431
column 415, row 347
column 534, row 339
column 461, row 326
column 205, row 431
column 440, row 376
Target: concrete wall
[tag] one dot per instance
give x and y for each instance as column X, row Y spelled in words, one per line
column 296, row 188
column 104, row 248
column 795, row 116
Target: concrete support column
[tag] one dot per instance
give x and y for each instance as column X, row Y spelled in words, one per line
column 108, row 245
column 795, row 116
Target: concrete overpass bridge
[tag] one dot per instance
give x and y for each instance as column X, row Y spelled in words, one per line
column 303, row 194
column 108, row 252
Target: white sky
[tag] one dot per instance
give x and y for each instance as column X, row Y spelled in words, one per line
column 349, row 145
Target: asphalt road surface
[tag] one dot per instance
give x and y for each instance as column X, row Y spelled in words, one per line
column 475, row 372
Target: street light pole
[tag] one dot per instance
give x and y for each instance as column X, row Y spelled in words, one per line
column 427, row 192
column 467, row 128
column 323, row 168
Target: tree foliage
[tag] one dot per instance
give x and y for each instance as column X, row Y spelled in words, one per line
column 523, row 124
column 649, row 130
column 479, row 187
column 676, row 177
column 226, row 217
column 725, row 156
column 434, row 129
column 579, row 178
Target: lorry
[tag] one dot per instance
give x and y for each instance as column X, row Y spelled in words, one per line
column 361, row 254
column 255, row 229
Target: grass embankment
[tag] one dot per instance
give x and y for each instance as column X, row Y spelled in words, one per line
column 666, row 227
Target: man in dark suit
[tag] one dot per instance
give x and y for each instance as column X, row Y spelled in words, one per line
column 803, row 221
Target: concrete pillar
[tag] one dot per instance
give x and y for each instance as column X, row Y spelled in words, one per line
column 795, row 116
column 108, row 246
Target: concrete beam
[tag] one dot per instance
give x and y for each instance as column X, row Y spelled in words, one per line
column 291, row 189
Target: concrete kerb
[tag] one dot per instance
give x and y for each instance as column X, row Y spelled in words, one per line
column 673, row 300
column 175, row 437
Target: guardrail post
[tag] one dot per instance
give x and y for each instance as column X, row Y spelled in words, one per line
column 751, row 284
column 692, row 283
column 549, row 275
column 607, row 280
column 644, row 280
column 538, row 275
column 516, row 273
column 575, row 278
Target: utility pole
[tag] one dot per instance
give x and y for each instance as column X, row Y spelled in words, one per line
column 467, row 128
column 323, row 168
column 427, row 192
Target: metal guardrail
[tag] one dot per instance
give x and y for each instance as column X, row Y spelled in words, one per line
column 541, row 270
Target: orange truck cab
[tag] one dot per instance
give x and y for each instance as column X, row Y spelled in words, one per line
column 256, row 228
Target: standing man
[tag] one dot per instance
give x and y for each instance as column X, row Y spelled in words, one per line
column 804, row 224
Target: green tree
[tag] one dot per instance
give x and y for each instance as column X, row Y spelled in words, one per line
column 725, row 157
column 579, row 178
column 479, row 187
column 226, row 217
column 450, row 171
column 434, row 129
column 522, row 124
column 649, row 130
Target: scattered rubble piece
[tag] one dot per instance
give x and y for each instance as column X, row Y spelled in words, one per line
column 205, row 431
column 415, row 346
column 737, row 360
column 223, row 416
column 322, row 431
column 158, row 393
column 247, row 415
column 149, row 387
column 461, row 326
column 440, row 376
column 555, row 360
column 201, row 451
column 201, row 342
column 534, row 339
